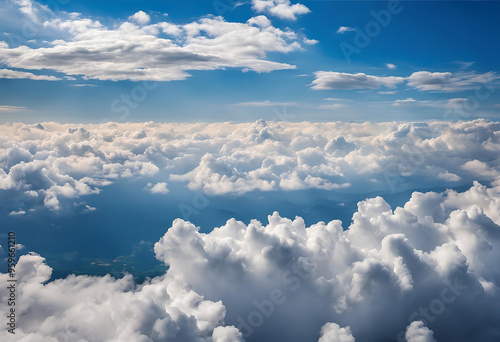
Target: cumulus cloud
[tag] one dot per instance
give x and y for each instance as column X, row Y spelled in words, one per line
column 332, row 332
column 340, row 80
column 50, row 164
column 141, row 18
column 417, row 332
column 158, row 188
column 280, row 8
column 140, row 50
column 421, row 80
column 427, row 268
column 391, row 66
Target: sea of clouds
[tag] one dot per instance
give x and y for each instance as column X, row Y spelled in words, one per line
column 51, row 164
column 424, row 271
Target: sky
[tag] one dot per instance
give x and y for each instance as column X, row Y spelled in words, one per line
column 310, row 54
column 249, row 170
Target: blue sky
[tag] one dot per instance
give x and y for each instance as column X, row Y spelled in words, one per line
column 437, row 37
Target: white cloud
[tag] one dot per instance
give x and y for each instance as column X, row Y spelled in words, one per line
column 394, row 274
column 280, row 8
column 266, row 103
column 407, row 100
column 391, row 66
column 141, row 18
column 10, row 109
column 332, row 332
column 421, row 80
column 344, row 29
column 447, row 81
column 418, row 332
column 158, row 188
column 15, row 74
column 159, row 51
column 340, row 80
column 84, row 85
column 51, row 164
column 17, row 213
column 331, row 106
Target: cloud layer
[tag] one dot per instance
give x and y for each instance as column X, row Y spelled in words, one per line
column 138, row 49
column 421, row 80
column 425, row 270
column 51, row 164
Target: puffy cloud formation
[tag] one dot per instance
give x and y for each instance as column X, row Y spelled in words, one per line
column 421, row 80
column 139, row 50
column 280, row 8
column 332, row 332
column 428, row 268
column 417, row 332
column 50, row 164
column 141, row 18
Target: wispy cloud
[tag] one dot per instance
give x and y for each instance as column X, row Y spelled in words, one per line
column 266, row 103
column 15, row 74
column 344, row 29
column 10, row 109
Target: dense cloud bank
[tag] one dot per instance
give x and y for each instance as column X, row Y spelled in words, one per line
column 52, row 164
column 422, row 272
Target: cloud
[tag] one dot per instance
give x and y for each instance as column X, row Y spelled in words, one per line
column 332, row 332
column 15, row 74
column 417, row 332
column 280, row 8
column 50, row 165
column 266, row 103
column 407, row 100
column 159, row 51
column 158, row 188
column 141, row 18
column 84, row 85
column 425, row 269
column 391, row 66
column 331, row 106
column 421, row 80
column 344, row 29
column 448, row 82
column 17, row 213
column 326, row 80
column 10, row 109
